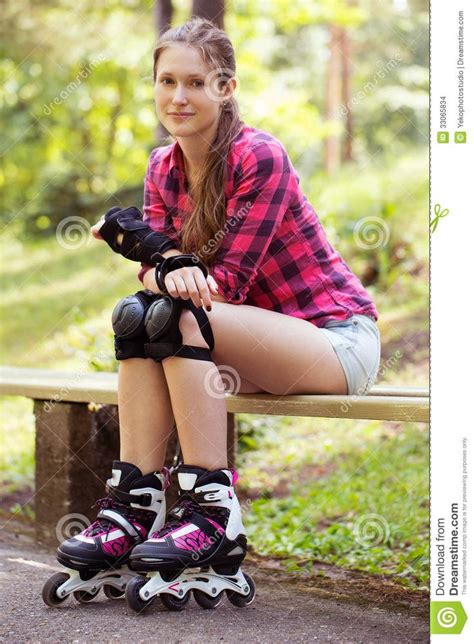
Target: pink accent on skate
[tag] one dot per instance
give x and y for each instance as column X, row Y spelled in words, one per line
column 140, row 529
column 195, row 540
column 167, row 477
column 235, row 477
column 117, row 547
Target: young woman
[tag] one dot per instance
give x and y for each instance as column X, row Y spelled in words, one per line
column 287, row 314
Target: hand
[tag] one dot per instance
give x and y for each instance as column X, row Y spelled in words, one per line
column 96, row 227
column 96, row 234
column 186, row 283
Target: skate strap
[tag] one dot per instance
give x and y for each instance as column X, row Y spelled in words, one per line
column 184, row 513
column 211, row 493
column 121, row 522
column 159, row 351
column 144, row 499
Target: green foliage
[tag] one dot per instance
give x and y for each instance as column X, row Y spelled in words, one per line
column 376, row 217
column 17, row 441
column 368, row 511
column 79, row 103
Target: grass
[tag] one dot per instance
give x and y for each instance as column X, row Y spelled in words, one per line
column 353, row 494
column 17, row 444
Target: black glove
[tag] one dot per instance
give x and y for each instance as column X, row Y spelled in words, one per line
column 140, row 243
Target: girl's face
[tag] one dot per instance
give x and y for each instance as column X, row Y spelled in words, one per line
column 184, row 85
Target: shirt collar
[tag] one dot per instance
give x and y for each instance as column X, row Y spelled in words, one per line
column 176, row 160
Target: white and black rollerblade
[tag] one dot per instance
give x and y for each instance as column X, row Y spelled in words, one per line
column 98, row 557
column 199, row 549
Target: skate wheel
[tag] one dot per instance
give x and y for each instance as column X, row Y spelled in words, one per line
column 175, row 603
column 84, row 597
column 113, row 593
column 49, row 595
column 134, row 601
column 242, row 600
column 207, row 601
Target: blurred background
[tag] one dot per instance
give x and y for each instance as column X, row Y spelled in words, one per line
column 344, row 85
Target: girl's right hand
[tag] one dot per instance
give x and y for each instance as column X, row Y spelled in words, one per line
column 96, row 228
column 200, row 296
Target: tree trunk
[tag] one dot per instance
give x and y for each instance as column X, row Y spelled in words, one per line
column 333, row 98
column 213, row 10
column 163, row 15
column 346, row 52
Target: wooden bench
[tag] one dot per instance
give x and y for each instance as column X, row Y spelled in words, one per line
column 76, row 439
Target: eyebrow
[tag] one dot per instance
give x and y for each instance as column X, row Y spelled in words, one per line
column 171, row 74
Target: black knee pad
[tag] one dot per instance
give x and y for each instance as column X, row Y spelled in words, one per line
column 128, row 322
column 165, row 338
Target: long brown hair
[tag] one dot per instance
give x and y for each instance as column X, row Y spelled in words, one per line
column 202, row 231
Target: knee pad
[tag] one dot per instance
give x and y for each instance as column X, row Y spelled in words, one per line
column 128, row 322
column 165, row 338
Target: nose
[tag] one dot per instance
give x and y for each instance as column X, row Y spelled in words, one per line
column 179, row 97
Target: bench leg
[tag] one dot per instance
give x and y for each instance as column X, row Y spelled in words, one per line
column 74, row 451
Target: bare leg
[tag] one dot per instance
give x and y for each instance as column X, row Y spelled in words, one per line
column 281, row 354
column 269, row 351
column 200, row 417
column 146, row 417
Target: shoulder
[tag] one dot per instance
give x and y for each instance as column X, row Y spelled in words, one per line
column 252, row 140
column 160, row 159
column 255, row 152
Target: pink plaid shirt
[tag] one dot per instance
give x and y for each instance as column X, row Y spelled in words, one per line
column 274, row 252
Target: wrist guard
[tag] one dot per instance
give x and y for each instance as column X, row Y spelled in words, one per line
column 172, row 263
column 140, row 243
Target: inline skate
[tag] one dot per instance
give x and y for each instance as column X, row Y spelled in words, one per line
column 98, row 556
column 199, row 549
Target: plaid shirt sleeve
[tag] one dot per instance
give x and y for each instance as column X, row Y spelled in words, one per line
column 254, row 212
column 154, row 209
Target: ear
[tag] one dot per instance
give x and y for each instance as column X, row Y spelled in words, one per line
column 229, row 88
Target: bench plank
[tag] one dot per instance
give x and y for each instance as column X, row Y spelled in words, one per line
column 393, row 408
column 381, row 403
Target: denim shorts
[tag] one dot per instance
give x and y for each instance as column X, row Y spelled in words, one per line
column 356, row 342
